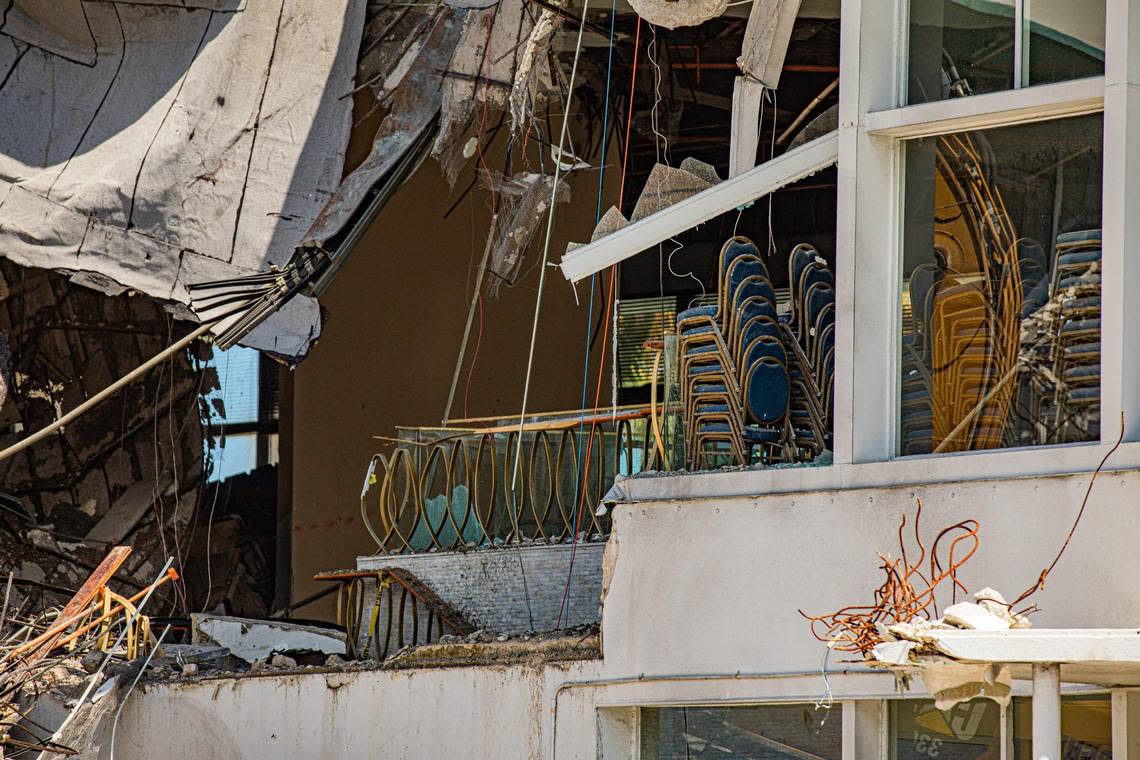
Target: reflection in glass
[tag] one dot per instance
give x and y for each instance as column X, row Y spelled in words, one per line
column 1062, row 44
column 768, row 732
column 959, row 48
column 967, row 47
column 1000, row 340
column 1086, row 727
column 968, row 731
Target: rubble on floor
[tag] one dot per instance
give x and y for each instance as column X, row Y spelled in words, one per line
column 52, row 659
column 475, row 649
column 481, row 648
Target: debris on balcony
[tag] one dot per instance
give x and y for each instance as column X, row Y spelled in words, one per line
column 259, row 640
column 907, row 601
column 47, row 699
column 481, row 648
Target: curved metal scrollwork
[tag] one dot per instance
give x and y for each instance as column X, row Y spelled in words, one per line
column 448, row 489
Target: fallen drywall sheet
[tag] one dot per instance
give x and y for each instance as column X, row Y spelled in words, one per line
column 159, row 162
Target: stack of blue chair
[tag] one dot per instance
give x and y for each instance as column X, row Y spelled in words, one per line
column 810, row 333
column 917, row 427
column 733, row 366
column 1076, row 348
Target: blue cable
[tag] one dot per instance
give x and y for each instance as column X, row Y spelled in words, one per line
column 590, row 309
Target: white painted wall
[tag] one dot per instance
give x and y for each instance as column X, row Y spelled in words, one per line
column 489, row 712
column 714, row 585
column 699, row 591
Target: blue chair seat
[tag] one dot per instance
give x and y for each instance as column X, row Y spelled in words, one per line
column 1085, row 395
column 1076, row 280
column 1078, row 236
column 1086, row 256
column 761, row 435
column 1080, row 325
column 712, row 409
column 697, row 311
column 708, row 388
column 1082, row 372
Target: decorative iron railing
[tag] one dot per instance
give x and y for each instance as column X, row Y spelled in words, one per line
column 383, row 611
column 449, row 488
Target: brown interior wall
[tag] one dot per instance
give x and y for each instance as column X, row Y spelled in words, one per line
column 388, row 348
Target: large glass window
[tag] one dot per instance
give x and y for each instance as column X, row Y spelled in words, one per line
column 966, row 47
column 1086, row 727
column 766, row 732
column 1001, row 287
column 968, row 731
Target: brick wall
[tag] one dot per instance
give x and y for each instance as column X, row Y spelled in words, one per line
column 509, row 589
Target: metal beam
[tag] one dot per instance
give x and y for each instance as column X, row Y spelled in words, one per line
column 764, row 179
column 1046, row 712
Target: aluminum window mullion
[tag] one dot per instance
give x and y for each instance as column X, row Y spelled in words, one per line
column 1020, row 71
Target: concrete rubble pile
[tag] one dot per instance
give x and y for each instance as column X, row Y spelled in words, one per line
column 914, row 648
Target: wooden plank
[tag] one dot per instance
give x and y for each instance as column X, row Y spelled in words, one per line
column 81, row 601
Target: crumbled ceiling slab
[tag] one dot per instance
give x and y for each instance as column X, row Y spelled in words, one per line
column 134, row 153
column 672, row 14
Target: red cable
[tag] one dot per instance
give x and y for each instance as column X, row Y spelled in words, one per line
column 605, row 334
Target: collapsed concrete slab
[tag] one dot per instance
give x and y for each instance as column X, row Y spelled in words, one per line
column 253, row 640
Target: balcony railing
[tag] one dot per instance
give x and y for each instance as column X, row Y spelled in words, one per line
column 449, row 488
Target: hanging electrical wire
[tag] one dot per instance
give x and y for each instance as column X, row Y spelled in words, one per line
column 604, row 332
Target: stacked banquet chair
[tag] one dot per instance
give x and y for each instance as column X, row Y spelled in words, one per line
column 915, row 435
column 810, row 334
column 976, row 306
column 1076, row 348
column 733, row 366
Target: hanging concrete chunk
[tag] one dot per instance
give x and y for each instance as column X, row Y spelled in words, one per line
column 672, row 14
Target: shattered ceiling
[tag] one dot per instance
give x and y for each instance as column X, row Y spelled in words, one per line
column 146, row 145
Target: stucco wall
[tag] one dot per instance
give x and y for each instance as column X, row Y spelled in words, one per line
column 714, row 585
column 388, row 349
column 485, row 712
column 701, row 608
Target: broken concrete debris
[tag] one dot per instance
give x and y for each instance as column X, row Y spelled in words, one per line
column 672, row 14
column 524, row 201
column 259, row 640
column 913, row 647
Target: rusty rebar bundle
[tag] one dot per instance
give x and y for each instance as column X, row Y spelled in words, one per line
column 909, row 590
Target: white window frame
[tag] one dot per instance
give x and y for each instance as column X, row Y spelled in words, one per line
column 873, row 124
